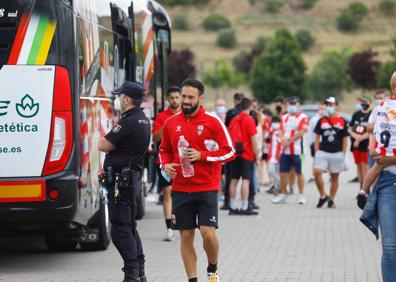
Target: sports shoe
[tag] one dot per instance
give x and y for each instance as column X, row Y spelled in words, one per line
column 234, row 212
column 301, row 200
column 331, row 204
column 213, row 277
column 322, row 202
column 280, row 199
column 169, row 236
column 248, row 212
column 225, row 207
column 254, row 206
column 270, row 190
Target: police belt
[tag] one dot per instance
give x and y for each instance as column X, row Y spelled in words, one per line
column 125, row 178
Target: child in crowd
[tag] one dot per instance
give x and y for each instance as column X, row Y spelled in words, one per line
column 274, row 153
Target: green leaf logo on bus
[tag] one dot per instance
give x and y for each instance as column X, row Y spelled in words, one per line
column 27, row 108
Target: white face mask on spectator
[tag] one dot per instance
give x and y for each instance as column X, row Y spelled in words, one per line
column 221, row 110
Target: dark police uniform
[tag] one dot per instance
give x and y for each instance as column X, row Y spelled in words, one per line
column 131, row 137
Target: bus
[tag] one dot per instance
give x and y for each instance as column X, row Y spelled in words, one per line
column 59, row 62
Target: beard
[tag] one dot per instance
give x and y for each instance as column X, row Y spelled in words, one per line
column 174, row 106
column 191, row 109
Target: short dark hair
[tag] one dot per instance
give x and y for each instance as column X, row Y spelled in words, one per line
column 136, row 102
column 172, row 89
column 275, row 119
column 279, row 99
column 379, row 91
column 245, row 104
column 238, row 96
column 195, row 84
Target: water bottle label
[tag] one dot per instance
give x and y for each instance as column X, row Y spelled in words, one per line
column 165, row 176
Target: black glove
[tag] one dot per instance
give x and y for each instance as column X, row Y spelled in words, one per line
column 361, row 199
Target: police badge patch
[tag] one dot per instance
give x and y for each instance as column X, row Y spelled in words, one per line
column 200, row 129
column 116, row 128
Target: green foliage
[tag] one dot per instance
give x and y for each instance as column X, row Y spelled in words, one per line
column 215, row 22
column 305, row 38
column 279, row 70
column 350, row 18
column 384, row 74
column 180, row 22
column 222, row 75
column 329, row 76
column 239, row 59
column 261, row 42
column 308, row 4
column 387, row 6
column 273, row 6
column 226, row 38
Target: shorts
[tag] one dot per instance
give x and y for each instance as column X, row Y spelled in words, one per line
column 162, row 182
column 331, row 162
column 242, row 168
column 360, row 157
column 286, row 162
column 264, row 156
column 192, row 210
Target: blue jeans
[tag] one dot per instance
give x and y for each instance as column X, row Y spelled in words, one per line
column 387, row 220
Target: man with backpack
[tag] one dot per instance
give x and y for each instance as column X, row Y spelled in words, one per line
column 243, row 133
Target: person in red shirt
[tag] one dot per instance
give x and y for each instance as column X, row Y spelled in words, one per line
column 194, row 198
column 164, row 186
column 243, row 164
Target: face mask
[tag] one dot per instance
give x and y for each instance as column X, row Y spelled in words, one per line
column 221, row 110
column 358, row 106
column 292, row 109
column 278, row 109
column 275, row 126
column 117, row 104
column 365, row 106
column 378, row 102
column 330, row 110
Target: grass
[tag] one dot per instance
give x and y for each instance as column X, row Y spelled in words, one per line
column 250, row 22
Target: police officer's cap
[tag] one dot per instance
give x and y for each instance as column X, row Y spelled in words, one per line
column 131, row 89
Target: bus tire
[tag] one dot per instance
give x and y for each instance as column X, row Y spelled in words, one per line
column 100, row 221
column 58, row 243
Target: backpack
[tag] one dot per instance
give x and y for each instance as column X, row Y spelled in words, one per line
column 236, row 134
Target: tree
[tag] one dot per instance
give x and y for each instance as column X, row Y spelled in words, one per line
column 350, row 17
column 329, row 76
column 279, row 70
column 226, row 38
column 305, row 39
column 384, row 74
column 243, row 61
column 362, row 68
column 222, row 75
column 214, row 22
column 181, row 66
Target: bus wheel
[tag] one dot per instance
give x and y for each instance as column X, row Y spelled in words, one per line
column 101, row 222
column 57, row 243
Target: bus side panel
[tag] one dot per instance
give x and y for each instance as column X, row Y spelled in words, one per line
column 99, row 73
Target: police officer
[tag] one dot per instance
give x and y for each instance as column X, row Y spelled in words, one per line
column 126, row 145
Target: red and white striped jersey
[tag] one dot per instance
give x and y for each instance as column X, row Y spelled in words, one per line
column 275, row 147
column 290, row 125
column 384, row 119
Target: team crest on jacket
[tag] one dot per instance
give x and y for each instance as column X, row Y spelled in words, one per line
column 178, row 128
column 200, row 129
column 116, row 128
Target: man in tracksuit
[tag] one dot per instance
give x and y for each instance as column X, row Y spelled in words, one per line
column 195, row 198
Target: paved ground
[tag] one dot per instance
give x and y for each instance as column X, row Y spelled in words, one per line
column 284, row 243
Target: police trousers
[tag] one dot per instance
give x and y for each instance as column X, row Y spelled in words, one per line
column 123, row 225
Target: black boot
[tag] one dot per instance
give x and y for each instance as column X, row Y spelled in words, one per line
column 131, row 273
column 142, row 274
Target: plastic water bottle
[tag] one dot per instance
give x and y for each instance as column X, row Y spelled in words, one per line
column 186, row 165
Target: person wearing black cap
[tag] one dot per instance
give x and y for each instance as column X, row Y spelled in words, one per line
column 331, row 137
column 125, row 146
column 360, row 136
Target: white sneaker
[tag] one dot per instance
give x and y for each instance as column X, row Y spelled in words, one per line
column 213, row 277
column 301, row 199
column 169, row 236
column 280, row 199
